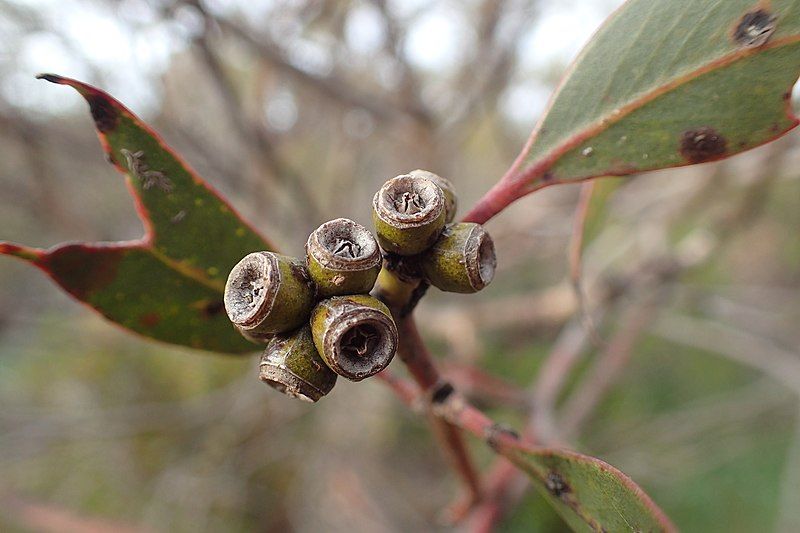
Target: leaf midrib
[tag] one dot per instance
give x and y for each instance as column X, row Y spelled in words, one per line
column 542, row 164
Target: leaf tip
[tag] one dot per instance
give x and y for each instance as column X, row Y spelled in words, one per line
column 52, row 78
column 25, row 253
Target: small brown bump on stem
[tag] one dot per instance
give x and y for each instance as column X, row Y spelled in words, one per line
column 343, row 258
column 702, row 144
column 355, row 335
column 292, row 365
column 409, row 214
column 442, row 392
column 268, row 293
column 755, row 29
column 497, row 432
column 462, row 260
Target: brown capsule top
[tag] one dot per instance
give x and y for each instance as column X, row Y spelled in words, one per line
column 409, row 213
column 343, row 258
column 450, row 198
column 268, row 293
column 355, row 335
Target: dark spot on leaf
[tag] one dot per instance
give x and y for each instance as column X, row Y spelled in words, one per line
column 702, row 144
column 556, row 484
column 442, row 393
column 548, row 177
column 213, row 308
column 787, row 95
column 103, row 112
column 775, row 128
column 149, row 320
column 755, row 28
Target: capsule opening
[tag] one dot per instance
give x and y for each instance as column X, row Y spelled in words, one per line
column 361, row 348
column 346, row 240
column 487, row 260
column 411, row 198
column 359, row 341
column 247, row 289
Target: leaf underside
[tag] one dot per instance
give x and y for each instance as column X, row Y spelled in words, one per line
column 666, row 84
column 589, row 494
column 167, row 286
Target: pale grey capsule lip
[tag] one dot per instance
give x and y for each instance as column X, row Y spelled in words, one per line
column 481, row 260
column 342, row 244
column 366, row 322
column 409, row 201
column 251, row 289
column 450, row 199
column 281, row 379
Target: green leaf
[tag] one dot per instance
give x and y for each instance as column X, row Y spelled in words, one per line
column 590, row 495
column 168, row 285
column 660, row 74
column 663, row 84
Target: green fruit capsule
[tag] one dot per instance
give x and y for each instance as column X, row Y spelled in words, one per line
column 343, row 258
column 450, row 198
column 355, row 335
column 268, row 293
column 409, row 214
column 462, row 260
column 292, row 365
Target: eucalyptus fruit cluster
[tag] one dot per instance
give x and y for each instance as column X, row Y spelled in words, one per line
column 316, row 315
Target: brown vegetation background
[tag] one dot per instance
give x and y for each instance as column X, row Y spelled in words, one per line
column 298, row 110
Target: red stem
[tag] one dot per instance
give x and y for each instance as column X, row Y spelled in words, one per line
column 495, row 200
column 413, row 352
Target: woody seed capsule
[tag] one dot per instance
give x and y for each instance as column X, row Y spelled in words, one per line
column 268, row 293
column 343, row 258
column 408, row 213
column 355, row 335
column 292, row 365
column 462, row 260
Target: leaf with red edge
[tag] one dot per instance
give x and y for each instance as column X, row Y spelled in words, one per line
column 663, row 84
column 168, row 285
column 589, row 494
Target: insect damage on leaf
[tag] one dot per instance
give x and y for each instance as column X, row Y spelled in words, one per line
column 556, row 484
column 142, row 172
column 755, row 28
column 165, row 285
column 702, row 144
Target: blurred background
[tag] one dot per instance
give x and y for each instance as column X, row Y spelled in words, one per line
column 684, row 358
